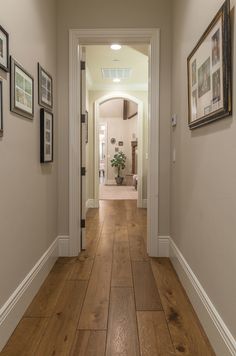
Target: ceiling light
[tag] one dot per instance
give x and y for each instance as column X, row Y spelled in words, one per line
column 115, row 47
column 116, row 80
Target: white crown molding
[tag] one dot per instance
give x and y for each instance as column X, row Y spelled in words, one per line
column 218, row 333
column 14, row 308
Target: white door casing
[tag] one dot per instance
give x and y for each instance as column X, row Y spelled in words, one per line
column 80, row 37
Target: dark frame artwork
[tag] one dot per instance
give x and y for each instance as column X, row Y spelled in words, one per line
column 22, row 91
column 210, row 73
column 45, row 88
column 4, row 34
column 1, row 109
column 46, row 136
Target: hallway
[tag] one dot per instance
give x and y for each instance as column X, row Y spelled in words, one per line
column 112, row 300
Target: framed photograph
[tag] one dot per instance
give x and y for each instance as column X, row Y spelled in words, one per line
column 120, row 143
column 1, row 110
column 4, row 50
column 22, row 91
column 45, row 89
column 210, row 73
column 46, row 136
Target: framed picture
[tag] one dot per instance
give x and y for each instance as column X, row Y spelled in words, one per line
column 45, row 89
column 22, row 91
column 1, row 110
column 120, row 143
column 4, row 50
column 46, row 136
column 210, row 73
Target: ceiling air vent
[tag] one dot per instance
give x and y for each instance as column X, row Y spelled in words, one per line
column 111, row 73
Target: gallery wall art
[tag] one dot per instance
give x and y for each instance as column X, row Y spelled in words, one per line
column 4, row 50
column 45, row 88
column 46, row 136
column 22, row 91
column 210, row 72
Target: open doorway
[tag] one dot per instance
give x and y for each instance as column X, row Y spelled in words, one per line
column 79, row 38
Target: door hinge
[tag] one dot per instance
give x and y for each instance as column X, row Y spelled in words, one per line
column 83, row 171
column 83, row 223
column 83, row 118
column 82, row 65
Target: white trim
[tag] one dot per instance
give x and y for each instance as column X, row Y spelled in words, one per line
column 14, row 308
column 91, row 203
column 111, row 87
column 164, row 246
column 63, row 246
column 219, row 335
column 106, row 36
column 98, row 102
column 144, row 203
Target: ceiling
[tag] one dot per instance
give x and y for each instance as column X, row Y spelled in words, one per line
column 102, row 56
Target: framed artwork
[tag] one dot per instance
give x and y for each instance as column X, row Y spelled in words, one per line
column 113, row 141
column 4, row 50
column 46, row 136
column 45, row 89
column 210, row 73
column 1, row 110
column 22, row 91
column 120, row 143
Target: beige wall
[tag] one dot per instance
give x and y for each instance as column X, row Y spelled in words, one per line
column 28, row 203
column 203, row 190
column 88, row 14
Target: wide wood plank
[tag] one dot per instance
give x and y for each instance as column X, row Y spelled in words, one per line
column 89, row 343
column 94, row 314
column 61, row 330
column 154, row 336
column 45, row 300
column 122, row 338
column 186, row 332
column 82, row 269
column 121, row 268
column 121, row 233
column 26, row 337
column 138, row 251
column 146, row 293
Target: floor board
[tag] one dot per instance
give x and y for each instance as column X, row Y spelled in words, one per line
column 89, row 343
column 121, row 268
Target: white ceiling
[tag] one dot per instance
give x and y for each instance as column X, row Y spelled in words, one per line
column 101, row 56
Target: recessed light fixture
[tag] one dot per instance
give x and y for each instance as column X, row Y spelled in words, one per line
column 115, row 46
column 116, row 80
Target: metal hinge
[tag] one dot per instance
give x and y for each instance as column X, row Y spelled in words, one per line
column 82, row 65
column 83, row 171
column 83, row 118
column 83, row 223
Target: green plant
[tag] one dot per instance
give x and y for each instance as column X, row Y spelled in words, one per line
column 118, row 161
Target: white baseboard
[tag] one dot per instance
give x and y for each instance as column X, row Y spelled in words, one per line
column 164, row 246
column 219, row 335
column 144, row 203
column 14, row 308
column 92, row 203
column 63, row 246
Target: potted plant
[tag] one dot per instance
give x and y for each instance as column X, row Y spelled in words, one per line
column 118, row 161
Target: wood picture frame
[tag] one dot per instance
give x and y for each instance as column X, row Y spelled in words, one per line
column 46, row 136
column 210, row 72
column 1, row 108
column 21, row 91
column 45, row 88
column 4, row 50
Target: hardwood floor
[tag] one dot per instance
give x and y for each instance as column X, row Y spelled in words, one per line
column 112, row 300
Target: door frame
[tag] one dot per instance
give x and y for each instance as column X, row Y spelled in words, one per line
column 103, row 124
column 98, row 102
column 77, row 38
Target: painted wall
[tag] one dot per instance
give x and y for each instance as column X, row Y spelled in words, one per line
column 93, row 96
column 121, row 130
column 28, row 203
column 203, row 194
column 78, row 14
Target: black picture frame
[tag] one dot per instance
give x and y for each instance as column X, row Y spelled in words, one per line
column 46, row 136
column 45, row 88
column 210, row 72
column 21, row 90
column 3, row 33
column 1, row 108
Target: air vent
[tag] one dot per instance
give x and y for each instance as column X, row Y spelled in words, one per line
column 111, row 73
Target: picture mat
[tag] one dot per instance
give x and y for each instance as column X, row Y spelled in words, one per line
column 23, row 91
column 48, row 139
column 205, row 102
column 46, row 89
column 3, row 50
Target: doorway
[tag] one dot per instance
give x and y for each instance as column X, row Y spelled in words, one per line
column 107, row 36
